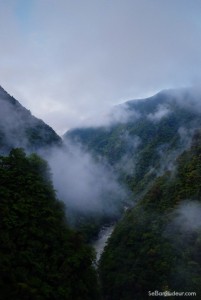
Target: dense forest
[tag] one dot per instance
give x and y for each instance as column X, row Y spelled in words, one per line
column 152, row 159
column 157, row 244
column 155, row 131
column 40, row 256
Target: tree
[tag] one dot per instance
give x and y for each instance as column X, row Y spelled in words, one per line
column 40, row 256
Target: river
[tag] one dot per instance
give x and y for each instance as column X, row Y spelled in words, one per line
column 101, row 241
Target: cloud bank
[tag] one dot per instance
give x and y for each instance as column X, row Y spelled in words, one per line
column 83, row 183
column 65, row 60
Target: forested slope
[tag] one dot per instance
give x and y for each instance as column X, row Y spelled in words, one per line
column 146, row 159
column 157, row 244
column 148, row 141
column 40, row 256
column 19, row 128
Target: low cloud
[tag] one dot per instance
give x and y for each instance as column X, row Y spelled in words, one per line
column 188, row 97
column 184, row 222
column 119, row 114
column 187, row 217
column 128, row 161
column 186, row 135
column 167, row 159
column 183, row 233
column 131, row 142
column 161, row 112
column 14, row 122
column 84, row 184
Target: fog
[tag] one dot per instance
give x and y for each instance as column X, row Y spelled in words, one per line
column 118, row 114
column 88, row 184
column 127, row 162
column 183, row 232
column 19, row 128
column 83, row 183
column 187, row 216
column 14, row 121
column 184, row 225
column 187, row 97
column 161, row 112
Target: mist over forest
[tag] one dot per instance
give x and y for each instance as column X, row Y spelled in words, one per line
column 100, row 149
column 135, row 175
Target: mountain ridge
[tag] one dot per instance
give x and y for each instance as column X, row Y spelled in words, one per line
column 162, row 127
column 19, row 128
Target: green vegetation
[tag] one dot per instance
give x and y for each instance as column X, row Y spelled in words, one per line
column 158, row 140
column 40, row 257
column 19, row 128
column 157, row 244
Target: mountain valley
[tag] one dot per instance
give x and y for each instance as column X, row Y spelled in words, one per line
column 141, row 173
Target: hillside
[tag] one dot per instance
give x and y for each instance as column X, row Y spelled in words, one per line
column 156, row 247
column 146, row 144
column 146, row 161
column 40, row 256
column 19, row 128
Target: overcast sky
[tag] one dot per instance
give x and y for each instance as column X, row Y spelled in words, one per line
column 68, row 60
